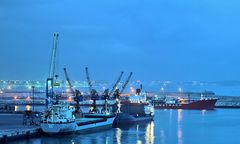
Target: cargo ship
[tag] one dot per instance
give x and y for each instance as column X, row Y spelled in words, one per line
column 181, row 103
column 133, row 109
column 134, row 113
column 60, row 119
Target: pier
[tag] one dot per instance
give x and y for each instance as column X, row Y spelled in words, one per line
column 12, row 128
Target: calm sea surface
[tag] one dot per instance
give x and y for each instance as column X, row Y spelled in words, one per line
column 220, row 126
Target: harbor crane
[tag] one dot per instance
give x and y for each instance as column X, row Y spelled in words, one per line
column 69, row 81
column 117, row 93
column 107, row 94
column 53, row 56
column 77, row 94
column 93, row 92
column 127, row 81
column 49, row 85
column 116, row 84
column 74, row 91
column 88, row 80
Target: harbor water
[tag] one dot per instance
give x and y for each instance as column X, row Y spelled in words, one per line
column 219, row 126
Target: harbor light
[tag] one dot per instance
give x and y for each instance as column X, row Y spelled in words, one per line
column 9, row 87
column 69, row 99
column 15, row 108
column 28, row 98
column 162, row 89
column 132, row 89
column 28, row 107
column 68, row 90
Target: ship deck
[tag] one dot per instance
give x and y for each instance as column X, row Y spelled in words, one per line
column 85, row 121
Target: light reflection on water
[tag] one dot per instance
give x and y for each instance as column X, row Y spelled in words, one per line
column 169, row 127
column 179, row 129
column 118, row 135
column 149, row 138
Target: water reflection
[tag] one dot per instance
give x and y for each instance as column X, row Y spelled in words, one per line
column 179, row 129
column 118, row 135
column 139, row 133
column 93, row 137
column 179, row 115
column 169, row 127
column 162, row 136
column 150, row 133
column 179, row 135
column 203, row 112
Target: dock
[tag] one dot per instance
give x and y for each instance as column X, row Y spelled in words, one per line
column 12, row 128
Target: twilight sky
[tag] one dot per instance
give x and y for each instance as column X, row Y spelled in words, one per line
column 156, row 39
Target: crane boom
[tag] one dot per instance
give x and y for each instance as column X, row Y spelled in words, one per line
column 88, row 80
column 116, row 84
column 127, row 81
column 53, row 57
column 68, row 80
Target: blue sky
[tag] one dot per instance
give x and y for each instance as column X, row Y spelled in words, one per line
column 157, row 39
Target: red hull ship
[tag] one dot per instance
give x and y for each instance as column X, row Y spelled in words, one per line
column 208, row 104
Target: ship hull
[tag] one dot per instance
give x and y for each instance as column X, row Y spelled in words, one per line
column 208, row 104
column 52, row 129
column 125, row 118
column 77, row 126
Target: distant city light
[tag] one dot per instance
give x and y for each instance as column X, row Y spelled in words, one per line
column 162, row 89
column 15, row 108
column 68, row 90
column 28, row 107
column 69, row 99
column 180, row 89
column 132, row 89
column 28, row 98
